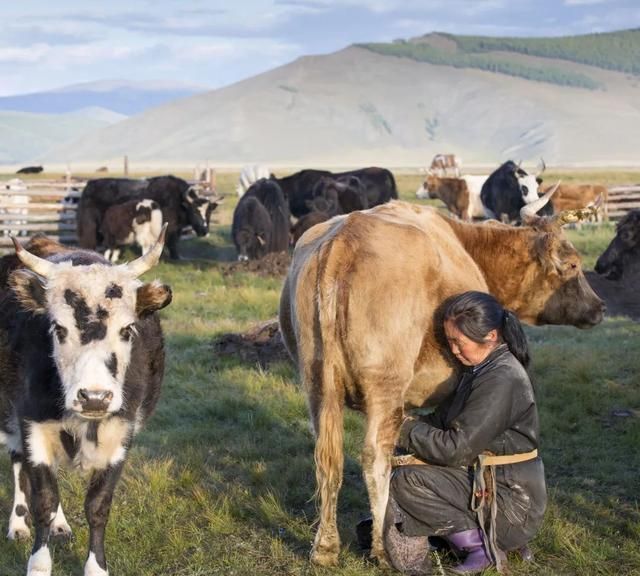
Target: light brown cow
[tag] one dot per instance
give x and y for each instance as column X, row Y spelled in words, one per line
column 573, row 196
column 360, row 310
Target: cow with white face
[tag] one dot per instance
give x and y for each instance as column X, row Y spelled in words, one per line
column 82, row 362
column 508, row 189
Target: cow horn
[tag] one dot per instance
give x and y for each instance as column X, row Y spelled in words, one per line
column 542, row 167
column 39, row 265
column 533, row 207
column 573, row 216
column 147, row 261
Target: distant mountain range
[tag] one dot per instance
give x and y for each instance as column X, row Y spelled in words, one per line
column 127, row 98
column 573, row 100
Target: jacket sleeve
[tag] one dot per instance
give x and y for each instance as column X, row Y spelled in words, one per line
column 486, row 414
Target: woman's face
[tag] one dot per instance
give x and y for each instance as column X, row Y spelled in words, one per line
column 467, row 351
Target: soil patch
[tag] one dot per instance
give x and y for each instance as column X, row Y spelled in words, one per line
column 273, row 264
column 261, row 345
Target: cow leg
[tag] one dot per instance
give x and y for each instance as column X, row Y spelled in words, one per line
column 45, row 500
column 97, row 505
column 20, row 517
column 172, row 245
column 383, row 421
column 327, row 417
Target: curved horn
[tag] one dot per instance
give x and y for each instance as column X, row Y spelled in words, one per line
column 39, row 265
column 572, row 216
column 532, row 208
column 147, row 261
column 542, row 167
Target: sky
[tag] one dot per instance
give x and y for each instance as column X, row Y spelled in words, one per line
column 213, row 43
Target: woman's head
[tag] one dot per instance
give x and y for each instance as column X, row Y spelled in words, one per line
column 475, row 323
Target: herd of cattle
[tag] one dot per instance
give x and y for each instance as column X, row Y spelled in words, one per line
column 82, row 353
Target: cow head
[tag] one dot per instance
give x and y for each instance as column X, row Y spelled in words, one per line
column 528, row 184
column 626, row 243
column 93, row 309
column 558, row 292
column 325, row 196
column 196, row 208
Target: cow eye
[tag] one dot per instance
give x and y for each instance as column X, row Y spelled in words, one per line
column 525, row 190
column 59, row 331
column 127, row 332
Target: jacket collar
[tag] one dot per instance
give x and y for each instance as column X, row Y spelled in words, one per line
column 498, row 351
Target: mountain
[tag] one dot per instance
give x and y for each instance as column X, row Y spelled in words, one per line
column 128, row 98
column 27, row 136
column 573, row 101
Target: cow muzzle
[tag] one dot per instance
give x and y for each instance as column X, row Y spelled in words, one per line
column 93, row 404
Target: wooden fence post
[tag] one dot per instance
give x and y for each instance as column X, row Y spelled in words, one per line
column 126, row 165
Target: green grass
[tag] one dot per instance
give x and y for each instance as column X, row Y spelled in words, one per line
column 222, row 478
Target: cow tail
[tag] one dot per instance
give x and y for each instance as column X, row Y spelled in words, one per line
column 329, row 450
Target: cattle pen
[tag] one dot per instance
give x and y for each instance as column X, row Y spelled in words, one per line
column 49, row 206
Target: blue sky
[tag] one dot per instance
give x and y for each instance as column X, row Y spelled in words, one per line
column 212, row 43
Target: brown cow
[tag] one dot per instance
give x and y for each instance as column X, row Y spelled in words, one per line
column 574, row 196
column 359, row 313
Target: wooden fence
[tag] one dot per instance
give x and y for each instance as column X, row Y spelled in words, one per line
column 621, row 200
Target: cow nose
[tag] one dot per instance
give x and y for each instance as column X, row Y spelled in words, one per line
column 94, row 400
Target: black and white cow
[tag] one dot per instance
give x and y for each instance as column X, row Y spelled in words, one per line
column 133, row 222
column 81, row 366
column 507, row 190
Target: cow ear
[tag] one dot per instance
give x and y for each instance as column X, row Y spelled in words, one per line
column 152, row 297
column 29, row 290
column 538, row 180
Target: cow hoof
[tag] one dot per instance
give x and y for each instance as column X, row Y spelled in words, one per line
column 324, row 557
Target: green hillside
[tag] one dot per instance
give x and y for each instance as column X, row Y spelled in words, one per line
column 619, row 51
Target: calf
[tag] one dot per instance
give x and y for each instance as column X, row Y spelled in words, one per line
column 82, row 359
column 135, row 221
column 573, row 196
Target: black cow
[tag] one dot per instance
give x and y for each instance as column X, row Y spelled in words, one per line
column 261, row 221
column 507, row 190
column 180, row 204
column 338, row 195
column 82, row 363
column 30, row 170
column 623, row 253
column 379, row 184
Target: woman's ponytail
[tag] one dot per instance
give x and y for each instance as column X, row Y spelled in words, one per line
column 515, row 338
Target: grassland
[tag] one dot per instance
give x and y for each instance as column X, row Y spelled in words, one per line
column 221, row 480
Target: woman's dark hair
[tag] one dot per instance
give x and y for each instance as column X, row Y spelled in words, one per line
column 475, row 314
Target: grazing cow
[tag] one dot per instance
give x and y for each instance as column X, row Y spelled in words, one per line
column 507, row 190
column 574, row 196
column 11, row 194
column 442, row 163
column 623, row 252
column 379, row 184
column 180, row 204
column 82, row 359
column 358, row 342
column 338, row 195
column 135, row 221
column 30, row 170
column 261, row 221
column 249, row 175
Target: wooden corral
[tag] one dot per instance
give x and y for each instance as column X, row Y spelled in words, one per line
column 47, row 212
column 621, row 200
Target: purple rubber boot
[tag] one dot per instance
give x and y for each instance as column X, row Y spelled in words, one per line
column 470, row 542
